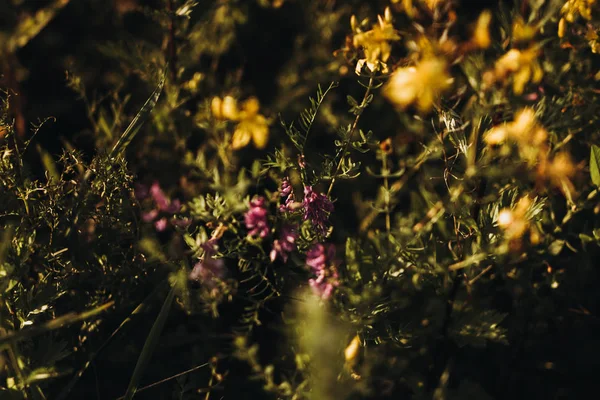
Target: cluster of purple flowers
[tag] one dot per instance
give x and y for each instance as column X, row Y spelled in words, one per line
column 164, row 209
column 321, row 259
column 257, row 224
column 256, row 218
column 317, row 208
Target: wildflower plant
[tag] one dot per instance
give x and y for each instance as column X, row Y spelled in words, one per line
column 424, row 226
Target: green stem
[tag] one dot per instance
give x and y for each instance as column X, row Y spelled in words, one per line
column 359, row 112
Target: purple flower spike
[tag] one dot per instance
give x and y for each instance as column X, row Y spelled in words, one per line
column 321, row 259
column 316, row 209
column 288, row 192
column 256, row 218
column 285, row 244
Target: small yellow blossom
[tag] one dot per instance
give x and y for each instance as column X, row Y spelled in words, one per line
column 251, row 124
column 521, row 31
column 375, row 42
column 559, row 171
column 515, row 223
column 522, row 65
column 531, row 140
column 421, row 84
column 524, row 131
column 593, row 40
column 572, row 8
column 192, row 84
column 481, row 36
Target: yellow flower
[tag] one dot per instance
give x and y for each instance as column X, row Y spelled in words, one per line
column 375, row 42
column 251, row 124
column 523, row 66
column 524, row 131
column 522, row 32
column 559, row 172
column 422, row 84
column 572, row 8
column 593, row 40
column 514, row 223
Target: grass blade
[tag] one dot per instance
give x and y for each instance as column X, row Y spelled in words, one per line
column 149, row 345
column 142, row 307
column 49, row 165
column 138, row 121
column 595, row 164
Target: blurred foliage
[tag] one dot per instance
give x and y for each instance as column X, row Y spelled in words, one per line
column 299, row 199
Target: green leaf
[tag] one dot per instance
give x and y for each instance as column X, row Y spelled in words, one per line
column 49, row 165
column 595, row 164
column 150, row 345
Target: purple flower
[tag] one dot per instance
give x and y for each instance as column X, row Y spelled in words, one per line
column 285, row 244
column 316, row 209
column 208, row 269
column 256, row 218
column 161, row 200
column 287, row 191
column 163, row 206
column 321, row 259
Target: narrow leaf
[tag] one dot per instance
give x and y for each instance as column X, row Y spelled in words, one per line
column 138, row 121
column 595, row 164
column 49, row 165
column 31, row 25
column 149, row 346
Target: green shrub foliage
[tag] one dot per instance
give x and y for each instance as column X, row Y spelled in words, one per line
column 290, row 199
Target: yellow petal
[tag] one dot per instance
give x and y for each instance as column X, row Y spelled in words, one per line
column 520, row 80
column 496, row 135
column 215, row 107
column 260, row 132
column 251, row 106
column 229, row 108
column 241, row 137
column 482, row 30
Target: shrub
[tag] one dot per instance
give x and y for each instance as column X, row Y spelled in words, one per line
column 424, row 225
